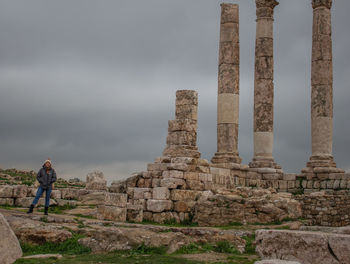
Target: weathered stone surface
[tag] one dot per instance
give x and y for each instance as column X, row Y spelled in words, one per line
column 172, row 183
column 173, row 174
column 188, row 125
column 10, row 249
column 116, row 199
column 158, row 206
column 70, row 194
column 7, row 201
column 161, row 193
column 245, row 205
column 276, row 261
column 112, row 213
column 6, row 191
column 55, row 194
column 96, row 181
column 19, row 191
column 91, row 197
column 179, row 195
column 305, row 247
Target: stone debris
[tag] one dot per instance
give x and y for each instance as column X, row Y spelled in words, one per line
column 96, row 181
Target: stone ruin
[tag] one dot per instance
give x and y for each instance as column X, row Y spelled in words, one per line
column 180, row 186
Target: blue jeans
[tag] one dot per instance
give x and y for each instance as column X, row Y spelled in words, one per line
column 39, row 193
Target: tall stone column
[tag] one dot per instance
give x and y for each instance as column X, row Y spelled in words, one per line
column 263, row 86
column 228, row 87
column 321, row 88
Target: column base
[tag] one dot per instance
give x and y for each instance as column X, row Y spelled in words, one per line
column 321, row 165
column 264, row 162
column 226, row 157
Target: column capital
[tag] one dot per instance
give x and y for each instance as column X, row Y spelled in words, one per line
column 264, row 8
column 322, row 3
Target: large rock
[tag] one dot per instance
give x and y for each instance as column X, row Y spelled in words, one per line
column 302, row 246
column 244, row 205
column 158, row 206
column 276, row 261
column 27, row 201
column 19, row 191
column 96, row 181
column 10, row 250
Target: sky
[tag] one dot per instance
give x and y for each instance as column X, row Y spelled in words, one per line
column 91, row 84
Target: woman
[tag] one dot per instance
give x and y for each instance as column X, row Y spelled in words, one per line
column 46, row 177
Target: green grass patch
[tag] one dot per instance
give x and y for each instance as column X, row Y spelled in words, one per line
column 84, row 216
column 220, row 247
column 170, row 223
column 249, row 246
column 242, row 259
column 59, row 209
column 68, row 247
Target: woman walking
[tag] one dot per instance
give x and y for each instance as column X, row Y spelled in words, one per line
column 46, row 177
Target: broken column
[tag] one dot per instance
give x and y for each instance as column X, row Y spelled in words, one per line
column 321, row 159
column 182, row 132
column 228, row 87
column 263, row 86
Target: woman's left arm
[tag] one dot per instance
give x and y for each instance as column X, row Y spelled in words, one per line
column 54, row 177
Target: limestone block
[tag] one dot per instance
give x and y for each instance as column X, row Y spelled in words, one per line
column 7, row 201
column 179, row 166
column 195, row 185
column 229, row 53
column 6, row 191
column 229, row 13
column 173, row 174
column 205, row 177
column 179, row 195
column 229, row 32
column 96, row 181
column 305, row 247
column 264, row 47
column 220, row 171
column 289, row 176
column 172, row 183
column 254, row 175
column 166, row 217
column 115, row 199
column 31, row 191
column 186, row 112
column 10, row 249
column 19, row 191
column 226, row 82
column 159, row 205
column 336, row 184
column 343, row 184
column 134, row 215
column 193, row 176
column 291, row 184
column 228, row 108
column 155, row 183
column 264, row 28
column 112, row 213
column 182, row 138
column 188, row 125
column 184, row 206
column 91, row 197
column 186, row 97
column 271, row 176
column 141, row 193
column 181, row 151
column 161, row 193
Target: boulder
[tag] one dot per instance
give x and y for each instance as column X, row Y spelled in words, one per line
column 159, row 205
column 305, row 247
column 42, row 234
column 96, row 181
column 70, row 193
column 10, row 249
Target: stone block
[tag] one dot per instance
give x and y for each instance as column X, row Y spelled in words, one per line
column 31, row 191
column 254, row 175
column 134, row 215
column 184, row 206
column 96, row 181
column 289, row 176
column 186, row 112
column 291, row 184
column 193, row 176
column 158, row 206
column 205, row 177
column 188, row 125
column 179, row 166
column 343, row 184
column 62, row 202
column 166, row 217
column 6, row 191
column 336, row 184
column 70, row 194
column 330, row 184
column 283, row 185
column 173, row 174
column 186, row 97
column 7, row 201
column 140, row 193
column 155, row 183
column 271, row 176
column 172, row 183
column 19, row 191
column 157, row 166
column 116, row 199
column 179, row 195
column 182, row 138
column 322, row 176
column 266, row 170
column 186, row 160
column 161, row 193
column 112, row 213
column 195, row 185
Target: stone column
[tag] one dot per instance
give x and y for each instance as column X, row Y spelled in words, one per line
column 321, row 87
column 228, row 87
column 182, row 132
column 263, row 86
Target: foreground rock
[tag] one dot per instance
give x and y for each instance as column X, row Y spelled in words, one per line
column 302, row 246
column 96, row 181
column 276, row 261
column 10, row 250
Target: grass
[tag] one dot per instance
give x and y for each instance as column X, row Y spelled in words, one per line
column 68, row 247
column 220, row 247
column 58, row 209
column 170, row 223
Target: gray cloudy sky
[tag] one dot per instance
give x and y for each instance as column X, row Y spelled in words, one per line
column 91, row 84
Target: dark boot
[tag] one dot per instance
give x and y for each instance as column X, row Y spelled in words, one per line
column 46, row 210
column 30, row 209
